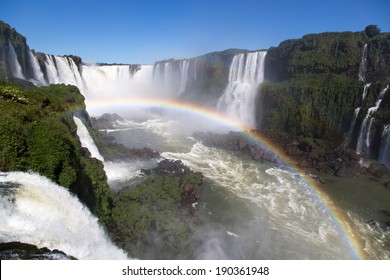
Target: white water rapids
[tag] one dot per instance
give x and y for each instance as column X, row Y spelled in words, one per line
column 249, row 210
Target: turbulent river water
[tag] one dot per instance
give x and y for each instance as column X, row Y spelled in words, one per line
column 251, row 210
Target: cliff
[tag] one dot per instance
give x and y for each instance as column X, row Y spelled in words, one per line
column 37, row 133
column 9, row 35
column 312, row 85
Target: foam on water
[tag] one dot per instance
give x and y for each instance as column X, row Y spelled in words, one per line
column 280, row 202
column 39, row 212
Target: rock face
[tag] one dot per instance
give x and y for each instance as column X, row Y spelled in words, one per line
column 313, row 85
column 211, row 73
column 106, row 121
column 8, row 36
column 110, row 149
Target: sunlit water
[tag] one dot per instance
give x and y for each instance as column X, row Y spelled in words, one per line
column 34, row 210
column 251, row 210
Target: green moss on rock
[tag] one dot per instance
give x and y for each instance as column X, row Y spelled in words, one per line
column 156, row 218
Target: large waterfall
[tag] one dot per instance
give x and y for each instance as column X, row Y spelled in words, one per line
column 239, row 99
column 35, row 210
column 165, row 79
column 171, row 76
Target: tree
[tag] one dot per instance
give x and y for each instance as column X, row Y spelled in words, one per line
column 372, row 30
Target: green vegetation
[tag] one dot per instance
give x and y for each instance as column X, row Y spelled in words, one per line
column 311, row 84
column 372, row 30
column 37, row 133
column 318, row 106
column 159, row 212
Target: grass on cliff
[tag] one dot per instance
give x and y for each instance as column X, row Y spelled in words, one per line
column 154, row 220
column 37, row 133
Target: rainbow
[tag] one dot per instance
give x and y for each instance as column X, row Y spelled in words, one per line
column 341, row 221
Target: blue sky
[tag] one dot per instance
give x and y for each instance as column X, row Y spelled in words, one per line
column 144, row 31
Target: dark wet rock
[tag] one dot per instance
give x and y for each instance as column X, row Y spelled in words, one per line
column 377, row 169
column 304, row 147
column 23, row 251
column 112, row 150
column 167, row 166
column 386, row 213
column 106, row 121
column 345, row 172
column 372, row 223
column 319, row 179
column 324, row 167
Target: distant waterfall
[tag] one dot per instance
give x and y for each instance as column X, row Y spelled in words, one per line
column 13, row 62
column 38, row 76
column 363, row 65
column 171, row 76
column 183, row 75
column 365, row 134
column 239, row 99
column 37, row 211
column 86, row 139
column 384, row 151
column 356, row 114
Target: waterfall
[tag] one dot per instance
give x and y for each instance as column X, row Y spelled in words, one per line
column 363, row 65
column 365, row 91
column 116, row 81
column 38, row 77
column 35, row 210
column 239, row 99
column 13, row 62
column 355, row 115
column 183, row 75
column 51, row 70
column 67, row 72
column 365, row 134
column 384, row 151
column 86, row 139
column 171, row 77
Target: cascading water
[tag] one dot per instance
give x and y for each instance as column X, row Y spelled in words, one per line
column 363, row 65
column 109, row 82
column 38, row 78
column 51, row 70
column 86, row 139
column 116, row 172
column 384, row 151
column 183, row 75
column 365, row 134
column 13, row 62
column 67, row 74
column 171, row 77
column 35, row 210
column 245, row 74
